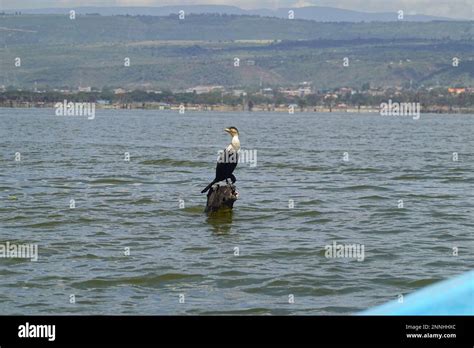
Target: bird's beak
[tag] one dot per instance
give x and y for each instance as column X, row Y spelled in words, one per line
column 227, row 130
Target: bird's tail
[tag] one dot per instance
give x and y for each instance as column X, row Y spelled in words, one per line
column 208, row 186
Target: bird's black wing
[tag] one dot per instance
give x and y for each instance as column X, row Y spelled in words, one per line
column 226, row 164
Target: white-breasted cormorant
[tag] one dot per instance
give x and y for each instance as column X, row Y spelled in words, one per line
column 227, row 160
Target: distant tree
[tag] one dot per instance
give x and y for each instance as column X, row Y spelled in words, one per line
column 301, row 104
column 250, row 105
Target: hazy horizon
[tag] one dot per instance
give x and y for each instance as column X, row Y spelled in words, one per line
column 460, row 9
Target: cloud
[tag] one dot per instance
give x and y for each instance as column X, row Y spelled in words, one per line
column 303, row 3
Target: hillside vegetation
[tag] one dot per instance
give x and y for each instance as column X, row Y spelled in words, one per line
column 166, row 52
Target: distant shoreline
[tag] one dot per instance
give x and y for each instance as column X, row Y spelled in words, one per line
column 256, row 108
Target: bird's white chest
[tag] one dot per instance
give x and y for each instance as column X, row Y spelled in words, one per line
column 235, row 143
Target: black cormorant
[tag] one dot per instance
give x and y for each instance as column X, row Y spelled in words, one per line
column 227, row 160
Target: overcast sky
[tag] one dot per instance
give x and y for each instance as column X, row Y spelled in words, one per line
column 443, row 8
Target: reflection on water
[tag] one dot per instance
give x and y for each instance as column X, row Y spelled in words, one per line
column 220, row 221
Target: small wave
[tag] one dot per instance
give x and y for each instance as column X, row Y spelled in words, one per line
column 458, row 180
column 310, row 202
column 409, row 177
column 442, row 196
column 311, row 213
column 248, row 311
column 46, row 224
column 111, row 181
column 362, row 188
column 142, row 201
column 318, row 221
column 174, row 163
column 145, row 280
column 361, row 170
column 374, row 198
column 423, row 282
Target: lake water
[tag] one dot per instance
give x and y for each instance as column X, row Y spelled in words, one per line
column 303, row 194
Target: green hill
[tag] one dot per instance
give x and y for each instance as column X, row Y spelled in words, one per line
column 166, row 52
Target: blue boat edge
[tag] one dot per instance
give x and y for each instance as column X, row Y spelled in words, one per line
column 453, row 296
